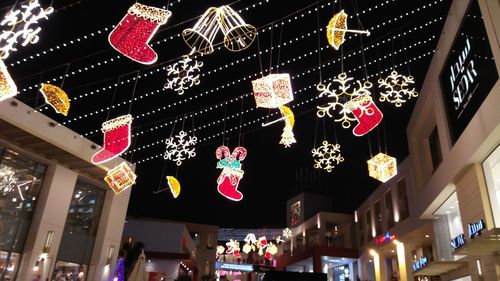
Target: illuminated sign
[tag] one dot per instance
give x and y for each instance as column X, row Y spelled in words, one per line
column 385, row 238
column 234, row 266
column 295, row 213
column 458, row 241
column 420, row 263
column 469, row 72
column 476, row 228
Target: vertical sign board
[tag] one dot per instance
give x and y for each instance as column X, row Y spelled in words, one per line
column 469, row 72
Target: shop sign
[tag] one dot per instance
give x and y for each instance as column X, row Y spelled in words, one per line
column 469, row 72
column 234, row 266
column 476, row 228
column 388, row 237
column 458, row 241
column 420, row 263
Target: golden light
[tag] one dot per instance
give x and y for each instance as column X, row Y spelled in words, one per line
column 56, row 97
column 238, row 35
column 373, row 253
column 382, row 167
column 174, row 185
column 7, row 86
column 273, row 90
column 120, row 177
column 200, row 38
column 336, row 29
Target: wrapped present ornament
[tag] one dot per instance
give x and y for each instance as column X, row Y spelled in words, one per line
column 382, row 167
column 272, row 91
column 8, row 88
column 120, row 177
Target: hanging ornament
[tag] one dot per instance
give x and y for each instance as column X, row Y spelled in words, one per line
column 238, row 35
column 116, row 138
column 382, row 167
column 336, row 29
column 271, row 250
column 287, row 138
column 340, row 97
column 200, row 38
column 233, row 247
column 220, row 250
column 22, row 25
column 181, row 149
column 120, row 177
column 229, row 179
column 278, row 239
column 250, row 241
column 366, row 112
column 8, row 88
column 185, row 74
column 174, row 186
column 272, row 91
column 396, row 88
column 287, row 233
column 132, row 35
column 328, row 156
column 56, row 98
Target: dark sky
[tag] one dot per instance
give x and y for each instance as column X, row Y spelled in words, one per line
column 403, row 35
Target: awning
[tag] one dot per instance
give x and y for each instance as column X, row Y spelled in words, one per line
column 488, row 243
column 439, row 267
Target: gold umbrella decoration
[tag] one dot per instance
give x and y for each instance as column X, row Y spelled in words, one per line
column 174, row 185
column 336, row 29
column 56, row 98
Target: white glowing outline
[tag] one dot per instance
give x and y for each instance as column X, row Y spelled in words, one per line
column 175, row 151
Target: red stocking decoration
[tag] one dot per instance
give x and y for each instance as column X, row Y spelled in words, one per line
column 131, row 36
column 116, row 139
column 231, row 172
column 366, row 112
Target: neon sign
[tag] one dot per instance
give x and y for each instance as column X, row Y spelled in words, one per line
column 385, row 238
column 458, row 241
column 419, row 263
column 476, row 228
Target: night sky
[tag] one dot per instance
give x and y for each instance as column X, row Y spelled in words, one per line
column 74, row 41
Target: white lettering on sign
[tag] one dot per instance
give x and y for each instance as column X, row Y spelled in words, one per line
column 458, row 241
column 464, row 74
column 475, row 228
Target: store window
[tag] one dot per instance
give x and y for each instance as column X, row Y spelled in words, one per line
column 80, row 231
column 435, row 148
column 447, row 225
column 404, row 211
column 491, row 167
column 20, row 184
column 378, row 218
column 389, row 210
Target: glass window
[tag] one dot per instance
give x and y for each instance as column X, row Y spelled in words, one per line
column 378, row 218
column 447, row 225
column 361, row 232
column 402, row 200
column 389, row 210
column 210, row 241
column 491, row 167
column 68, row 271
column 435, row 148
column 20, row 184
column 196, row 238
column 368, row 227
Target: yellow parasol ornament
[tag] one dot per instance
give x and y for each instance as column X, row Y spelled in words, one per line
column 336, row 29
column 56, row 97
column 174, row 185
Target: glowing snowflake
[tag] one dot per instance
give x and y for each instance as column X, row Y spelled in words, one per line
column 181, row 149
column 287, row 233
column 340, row 97
column 27, row 31
column 184, row 72
column 328, row 156
column 396, row 88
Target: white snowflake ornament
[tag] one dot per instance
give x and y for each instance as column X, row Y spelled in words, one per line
column 397, row 88
column 185, row 74
column 180, row 149
column 328, row 156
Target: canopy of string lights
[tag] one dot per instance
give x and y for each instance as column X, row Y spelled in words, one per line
column 290, row 97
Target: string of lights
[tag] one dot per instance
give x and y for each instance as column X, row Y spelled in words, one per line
column 260, row 119
column 348, row 55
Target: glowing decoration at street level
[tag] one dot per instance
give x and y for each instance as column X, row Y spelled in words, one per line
column 327, row 156
column 174, row 185
column 201, row 37
column 336, row 29
column 273, row 90
column 250, row 241
column 340, row 97
column 56, row 98
column 132, row 35
column 184, row 73
column 8, row 88
column 233, row 247
column 116, row 138
column 238, row 35
column 120, row 177
column 287, row 233
column 396, row 88
column 366, row 112
column 287, row 138
column 22, row 25
column 181, row 149
column 382, row 167
column 229, row 179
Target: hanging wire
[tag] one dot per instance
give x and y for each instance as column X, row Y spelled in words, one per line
column 392, row 54
column 279, row 48
column 385, row 139
column 324, row 130
column 406, row 58
column 133, row 92
column 113, row 98
column 271, row 51
column 370, row 145
column 260, row 55
column 241, row 120
column 159, row 189
column 319, row 41
column 315, row 133
column 65, row 74
column 224, row 130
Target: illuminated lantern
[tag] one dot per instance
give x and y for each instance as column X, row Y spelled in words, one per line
column 120, row 177
column 200, row 38
column 131, row 36
column 238, row 35
column 229, row 179
column 382, row 167
column 56, row 97
column 8, row 88
column 116, row 138
column 273, row 90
